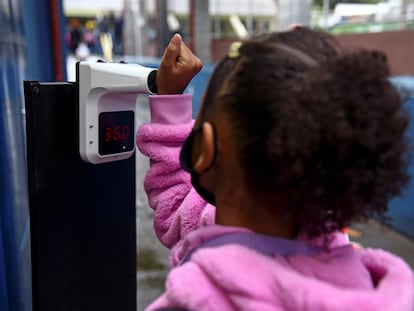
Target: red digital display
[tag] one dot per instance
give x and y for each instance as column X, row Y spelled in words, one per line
column 116, row 132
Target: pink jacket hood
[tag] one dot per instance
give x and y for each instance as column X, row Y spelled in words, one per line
column 233, row 277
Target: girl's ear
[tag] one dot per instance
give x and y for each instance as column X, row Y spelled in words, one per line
column 206, row 156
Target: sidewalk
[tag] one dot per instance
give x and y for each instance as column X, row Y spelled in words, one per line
column 375, row 235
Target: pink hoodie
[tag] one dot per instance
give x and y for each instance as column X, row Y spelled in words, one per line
column 234, row 277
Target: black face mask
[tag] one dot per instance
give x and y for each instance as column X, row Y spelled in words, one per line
column 186, row 162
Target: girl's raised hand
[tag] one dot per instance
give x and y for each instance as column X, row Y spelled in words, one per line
column 178, row 66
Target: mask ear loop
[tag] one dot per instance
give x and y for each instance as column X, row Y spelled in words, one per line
column 187, row 165
column 186, row 152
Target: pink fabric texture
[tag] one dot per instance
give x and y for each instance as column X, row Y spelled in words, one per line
column 233, row 277
column 178, row 208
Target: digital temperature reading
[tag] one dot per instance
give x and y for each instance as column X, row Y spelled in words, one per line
column 116, row 132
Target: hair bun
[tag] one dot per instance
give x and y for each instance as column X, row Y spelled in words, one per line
column 368, row 64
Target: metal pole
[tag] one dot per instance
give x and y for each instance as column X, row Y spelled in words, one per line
column 200, row 34
column 191, row 26
column 325, row 14
column 217, row 21
column 162, row 31
column 250, row 18
column 56, row 38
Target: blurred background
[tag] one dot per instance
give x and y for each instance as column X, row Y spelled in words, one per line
column 43, row 40
column 143, row 27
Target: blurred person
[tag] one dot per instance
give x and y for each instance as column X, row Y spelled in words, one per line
column 90, row 37
column 294, row 140
column 75, row 35
column 105, row 37
column 82, row 52
column 118, row 35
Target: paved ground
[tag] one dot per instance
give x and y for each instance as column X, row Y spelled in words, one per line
column 152, row 256
column 152, row 260
column 376, row 235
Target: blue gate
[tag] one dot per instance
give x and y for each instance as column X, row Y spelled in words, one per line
column 401, row 209
column 15, row 284
column 23, row 24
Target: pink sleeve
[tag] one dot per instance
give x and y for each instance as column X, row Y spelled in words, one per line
column 178, row 208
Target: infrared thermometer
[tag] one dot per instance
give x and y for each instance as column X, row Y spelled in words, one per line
column 107, row 95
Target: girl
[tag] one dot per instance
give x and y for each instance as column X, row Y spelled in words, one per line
column 294, row 140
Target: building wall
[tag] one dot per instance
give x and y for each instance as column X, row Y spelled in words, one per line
column 219, row 47
column 397, row 45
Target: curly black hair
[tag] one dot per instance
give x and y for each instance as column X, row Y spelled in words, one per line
column 322, row 127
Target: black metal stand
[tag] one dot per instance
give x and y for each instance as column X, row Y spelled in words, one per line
column 83, row 235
